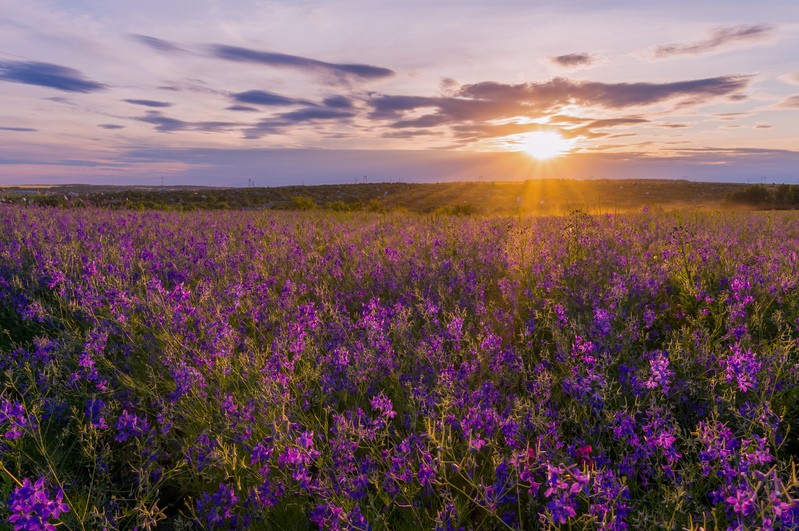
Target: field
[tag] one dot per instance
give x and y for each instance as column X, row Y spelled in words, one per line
column 356, row 370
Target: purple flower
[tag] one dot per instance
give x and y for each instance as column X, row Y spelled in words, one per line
column 741, row 367
column 660, row 373
column 130, row 425
column 12, row 413
column 32, row 508
column 94, row 411
column 742, row 503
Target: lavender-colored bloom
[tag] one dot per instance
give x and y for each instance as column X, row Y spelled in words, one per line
column 741, row 368
column 129, row 425
column 660, row 373
column 13, row 417
column 32, row 507
column 94, row 413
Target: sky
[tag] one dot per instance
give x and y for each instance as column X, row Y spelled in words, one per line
column 266, row 93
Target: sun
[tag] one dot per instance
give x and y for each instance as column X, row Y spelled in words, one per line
column 543, row 145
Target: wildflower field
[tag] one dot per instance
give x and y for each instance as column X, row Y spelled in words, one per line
column 319, row 370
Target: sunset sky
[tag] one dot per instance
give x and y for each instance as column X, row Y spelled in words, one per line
column 280, row 92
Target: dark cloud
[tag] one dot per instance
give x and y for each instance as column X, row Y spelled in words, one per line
column 573, row 60
column 262, row 97
column 47, row 75
column 313, row 114
column 456, row 109
column 111, row 126
column 492, row 100
column 279, row 123
column 763, row 126
column 562, row 91
column 791, row 102
column 165, row 124
column 719, row 38
column 19, row 129
column 281, row 60
column 244, row 108
column 159, row 45
column 338, row 102
column 149, row 103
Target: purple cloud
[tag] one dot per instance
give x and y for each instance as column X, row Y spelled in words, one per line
column 262, row 97
column 719, row 38
column 159, row 45
column 573, row 60
column 47, row 75
column 149, row 103
column 165, row 124
column 281, row 60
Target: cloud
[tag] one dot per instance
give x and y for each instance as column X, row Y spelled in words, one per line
column 149, row 103
column 19, row 129
column 165, row 124
column 562, row 91
column 157, row 44
column 719, row 38
column 47, row 75
column 244, row 108
column 280, row 60
column 491, row 100
column 262, row 97
column 312, row 114
column 791, row 102
column 338, row 102
column 728, row 116
column 278, row 123
column 111, row 126
column 573, row 60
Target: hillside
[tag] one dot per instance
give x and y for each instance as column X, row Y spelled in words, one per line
column 535, row 197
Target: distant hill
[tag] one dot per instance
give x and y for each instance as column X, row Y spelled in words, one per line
column 546, row 196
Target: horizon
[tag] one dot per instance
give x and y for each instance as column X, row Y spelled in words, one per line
column 289, row 93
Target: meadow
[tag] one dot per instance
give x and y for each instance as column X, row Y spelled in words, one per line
column 323, row 370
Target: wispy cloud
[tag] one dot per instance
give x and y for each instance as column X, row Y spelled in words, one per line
column 719, row 38
column 791, row 102
column 573, row 60
column 492, row 100
column 111, row 126
column 281, row 60
column 561, row 91
column 310, row 115
column 157, row 44
column 338, row 102
column 262, row 97
column 166, row 124
column 242, row 108
column 19, row 129
column 149, row 103
column 47, row 75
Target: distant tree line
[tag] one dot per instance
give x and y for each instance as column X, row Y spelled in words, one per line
column 776, row 196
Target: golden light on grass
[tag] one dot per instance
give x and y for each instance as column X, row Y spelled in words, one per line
column 544, row 145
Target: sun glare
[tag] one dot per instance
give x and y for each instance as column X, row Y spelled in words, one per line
column 544, row 145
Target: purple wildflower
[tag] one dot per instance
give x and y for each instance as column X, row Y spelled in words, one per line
column 32, row 508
